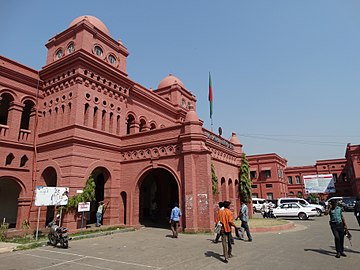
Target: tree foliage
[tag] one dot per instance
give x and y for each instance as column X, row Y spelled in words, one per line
column 214, row 180
column 88, row 195
column 245, row 182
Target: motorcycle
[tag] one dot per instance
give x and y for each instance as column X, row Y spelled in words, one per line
column 58, row 235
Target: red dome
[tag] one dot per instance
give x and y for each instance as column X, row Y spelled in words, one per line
column 170, row 80
column 93, row 20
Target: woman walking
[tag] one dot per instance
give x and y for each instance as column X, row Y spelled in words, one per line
column 338, row 226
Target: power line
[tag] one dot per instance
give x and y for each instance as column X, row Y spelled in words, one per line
column 297, row 141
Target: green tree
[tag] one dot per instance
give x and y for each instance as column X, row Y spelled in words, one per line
column 214, row 180
column 88, row 195
column 245, row 182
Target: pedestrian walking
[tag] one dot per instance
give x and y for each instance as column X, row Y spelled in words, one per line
column 174, row 220
column 357, row 210
column 227, row 220
column 338, row 226
column 244, row 217
column 99, row 214
column 217, row 237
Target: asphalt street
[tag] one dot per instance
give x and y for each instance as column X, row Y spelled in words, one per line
column 309, row 245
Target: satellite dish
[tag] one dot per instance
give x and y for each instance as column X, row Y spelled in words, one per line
column 220, row 131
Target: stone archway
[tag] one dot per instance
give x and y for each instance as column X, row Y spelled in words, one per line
column 158, row 192
column 49, row 176
column 101, row 177
column 9, row 195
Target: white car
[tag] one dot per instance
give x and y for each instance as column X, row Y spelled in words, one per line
column 319, row 208
column 257, row 204
column 294, row 210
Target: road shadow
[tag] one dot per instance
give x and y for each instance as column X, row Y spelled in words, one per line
column 321, row 251
column 214, row 255
column 331, row 253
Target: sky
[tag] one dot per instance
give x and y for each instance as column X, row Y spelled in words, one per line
column 285, row 74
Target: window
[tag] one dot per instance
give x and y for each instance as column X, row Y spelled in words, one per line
column 253, row 186
column 252, row 174
column 268, row 185
column 269, row 196
column 299, row 194
column 183, row 103
column 335, row 177
column 10, row 157
column 255, row 195
column 111, row 59
column 23, row 161
column 267, row 173
column 290, row 180
column 98, row 51
column 71, row 48
column 297, row 179
column 59, row 54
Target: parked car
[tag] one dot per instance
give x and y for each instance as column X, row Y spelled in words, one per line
column 348, row 203
column 257, row 204
column 294, row 209
column 319, row 208
column 328, row 201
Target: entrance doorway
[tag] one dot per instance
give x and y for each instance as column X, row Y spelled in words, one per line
column 100, row 175
column 158, row 193
column 9, row 194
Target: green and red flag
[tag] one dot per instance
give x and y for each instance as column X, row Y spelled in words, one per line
column 210, row 96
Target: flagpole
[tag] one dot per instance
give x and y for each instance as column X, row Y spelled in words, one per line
column 211, row 101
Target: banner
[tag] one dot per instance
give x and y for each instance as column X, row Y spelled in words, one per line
column 46, row 196
column 319, row 183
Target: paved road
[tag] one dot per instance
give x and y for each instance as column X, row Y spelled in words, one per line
column 308, row 246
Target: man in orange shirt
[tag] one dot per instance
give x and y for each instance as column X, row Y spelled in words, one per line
column 227, row 220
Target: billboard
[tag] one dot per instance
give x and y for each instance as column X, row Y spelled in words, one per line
column 319, row 183
column 46, row 196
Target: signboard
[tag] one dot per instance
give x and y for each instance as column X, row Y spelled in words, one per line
column 46, row 196
column 319, row 183
column 84, row 207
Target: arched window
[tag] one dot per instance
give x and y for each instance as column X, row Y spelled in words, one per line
column 103, row 120
column 5, row 101
column 95, row 117
column 142, row 125
column 86, row 114
column 118, row 125
column 152, row 126
column 130, row 124
column 111, row 124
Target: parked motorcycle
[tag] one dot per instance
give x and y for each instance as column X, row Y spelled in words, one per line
column 58, row 235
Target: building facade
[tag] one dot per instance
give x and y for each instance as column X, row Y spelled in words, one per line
column 81, row 115
column 273, row 179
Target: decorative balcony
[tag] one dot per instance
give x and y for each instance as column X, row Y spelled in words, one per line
column 24, row 135
column 4, row 131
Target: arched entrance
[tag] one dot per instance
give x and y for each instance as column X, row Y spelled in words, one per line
column 50, row 178
column 101, row 177
column 9, row 195
column 158, row 192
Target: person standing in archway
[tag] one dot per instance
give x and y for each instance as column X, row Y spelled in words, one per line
column 175, row 219
column 99, row 214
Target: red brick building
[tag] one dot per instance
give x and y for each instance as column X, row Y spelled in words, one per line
column 82, row 115
column 272, row 178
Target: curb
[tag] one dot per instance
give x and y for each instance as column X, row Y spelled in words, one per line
column 274, row 228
